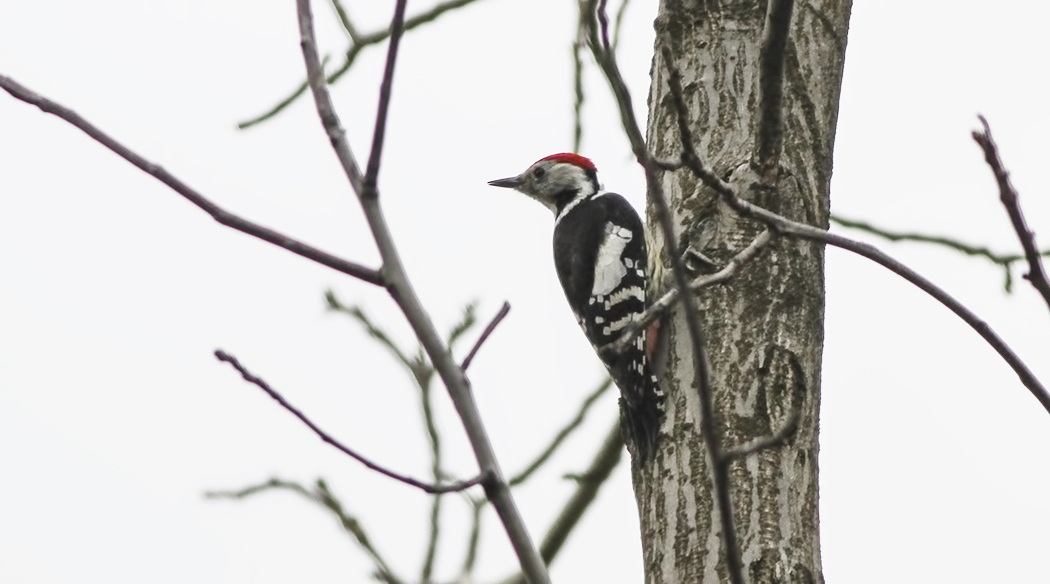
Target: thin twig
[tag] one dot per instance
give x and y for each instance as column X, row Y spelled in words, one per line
column 344, row 19
column 348, row 61
column 397, row 29
column 373, row 331
column 362, row 41
column 485, row 334
column 436, row 472
column 468, row 321
column 404, row 295
column 471, row 557
column 323, row 497
column 1036, row 275
column 786, row 226
column 1006, row 261
column 770, row 134
column 261, row 384
column 578, row 95
column 218, row 213
column 560, row 437
column 272, row 484
column 619, row 24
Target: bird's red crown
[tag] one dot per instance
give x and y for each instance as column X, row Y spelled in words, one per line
column 570, row 158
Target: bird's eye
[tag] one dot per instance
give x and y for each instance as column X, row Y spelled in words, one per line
column 539, row 172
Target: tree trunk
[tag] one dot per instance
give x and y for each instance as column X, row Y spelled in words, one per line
column 764, row 329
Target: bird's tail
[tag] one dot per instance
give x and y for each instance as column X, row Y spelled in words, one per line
column 641, row 412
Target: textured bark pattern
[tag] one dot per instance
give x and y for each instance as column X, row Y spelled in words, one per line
column 764, row 330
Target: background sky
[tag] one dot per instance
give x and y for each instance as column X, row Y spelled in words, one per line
column 115, row 417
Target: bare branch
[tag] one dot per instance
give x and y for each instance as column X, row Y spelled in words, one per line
column 769, row 138
column 348, row 61
column 404, row 295
column 261, row 384
column 325, row 108
column 560, row 437
column 1036, row 275
column 358, row 43
column 218, row 213
column 786, row 226
column 397, row 28
column 485, row 334
column 323, row 497
column 1004, row 260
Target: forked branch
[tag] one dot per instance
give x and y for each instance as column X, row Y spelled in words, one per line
column 404, row 295
column 358, row 42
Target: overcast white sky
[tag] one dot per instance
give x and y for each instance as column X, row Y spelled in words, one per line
column 115, row 418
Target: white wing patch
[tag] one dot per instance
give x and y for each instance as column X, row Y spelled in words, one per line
column 609, row 268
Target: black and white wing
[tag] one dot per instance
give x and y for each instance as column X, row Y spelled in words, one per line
column 600, row 256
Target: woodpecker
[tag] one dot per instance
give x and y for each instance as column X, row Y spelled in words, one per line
column 600, row 257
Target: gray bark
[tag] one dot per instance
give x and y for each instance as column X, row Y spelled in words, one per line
column 764, row 329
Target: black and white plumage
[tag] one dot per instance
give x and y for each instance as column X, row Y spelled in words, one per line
column 600, row 257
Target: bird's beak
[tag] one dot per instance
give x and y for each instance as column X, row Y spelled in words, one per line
column 507, row 183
